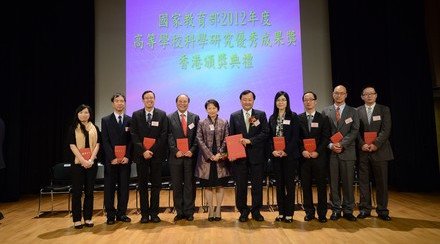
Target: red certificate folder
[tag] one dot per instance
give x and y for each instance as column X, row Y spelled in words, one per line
column 279, row 144
column 149, row 142
column 86, row 153
column 370, row 137
column 310, row 144
column 235, row 148
column 182, row 144
column 337, row 137
column 120, row 152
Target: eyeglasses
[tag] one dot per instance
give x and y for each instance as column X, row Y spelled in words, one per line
column 369, row 94
column 282, row 100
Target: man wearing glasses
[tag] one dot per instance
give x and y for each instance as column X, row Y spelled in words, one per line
column 374, row 153
column 344, row 124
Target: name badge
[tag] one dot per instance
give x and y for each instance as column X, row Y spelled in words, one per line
column 314, row 125
column 190, row 126
column 127, row 129
column 376, row 118
column 211, row 127
column 154, row 123
column 286, row 122
column 256, row 123
column 348, row 121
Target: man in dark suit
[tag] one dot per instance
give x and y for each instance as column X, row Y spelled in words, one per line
column 152, row 124
column 343, row 119
column 375, row 156
column 252, row 124
column 115, row 132
column 183, row 124
column 314, row 163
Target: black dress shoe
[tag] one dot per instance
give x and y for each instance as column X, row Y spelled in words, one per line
column 217, row 218
column 190, row 218
column 243, row 217
column 279, row 218
column 309, row 217
column 111, row 221
column 155, row 219
column 78, row 227
column 123, row 218
column 384, row 217
column 335, row 216
column 257, row 217
column 363, row 215
column 349, row 217
column 288, row 219
column 179, row 217
column 89, row 225
column 322, row 219
column 144, row 220
column 210, row 219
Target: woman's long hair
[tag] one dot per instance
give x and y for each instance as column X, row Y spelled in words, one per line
column 276, row 110
column 76, row 121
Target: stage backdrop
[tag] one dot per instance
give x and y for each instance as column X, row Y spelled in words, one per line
column 213, row 49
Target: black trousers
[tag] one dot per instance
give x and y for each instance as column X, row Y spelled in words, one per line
column 284, row 170
column 183, row 182
column 244, row 171
column 82, row 180
column 380, row 173
column 315, row 168
column 119, row 175
column 149, row 171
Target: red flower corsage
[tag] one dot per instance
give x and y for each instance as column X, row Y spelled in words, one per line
column 252, row 119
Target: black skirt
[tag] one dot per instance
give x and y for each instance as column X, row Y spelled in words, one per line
column 213, row 180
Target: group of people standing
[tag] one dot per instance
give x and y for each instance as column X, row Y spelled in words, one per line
column 197, row 148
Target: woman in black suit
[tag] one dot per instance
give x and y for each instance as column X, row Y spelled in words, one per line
column 284, row 123
column 84, row 139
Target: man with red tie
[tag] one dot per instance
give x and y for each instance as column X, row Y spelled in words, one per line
column 182, row 129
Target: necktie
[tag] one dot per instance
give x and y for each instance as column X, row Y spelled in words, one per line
column 309, row 121
column 120, row 121
column 338, row 114
column 246, row 120
column 369, row 112
column 148, row 118
column 184, row 125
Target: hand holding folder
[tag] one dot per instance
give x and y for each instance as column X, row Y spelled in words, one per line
column 236, row 150
column 310, row 144
column 337, row 137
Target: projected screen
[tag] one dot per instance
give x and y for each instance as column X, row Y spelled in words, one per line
column 213, row 49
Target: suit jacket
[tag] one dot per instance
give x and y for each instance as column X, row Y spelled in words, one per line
column 348, row 125
column 175, row 131
column 205, row 140
column 320, row 133
column 256, row 151
column 140, row 129
column 381, row 125
column 113, row 135
column 290, row 133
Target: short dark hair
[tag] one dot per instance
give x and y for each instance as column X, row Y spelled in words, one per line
column 314, row 95
column 148, row 91
column 213, row 102
column 245, row 92
column 117, row 95
column 183, row 94
column 367, row 86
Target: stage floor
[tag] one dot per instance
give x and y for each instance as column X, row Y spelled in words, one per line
column 415, row 219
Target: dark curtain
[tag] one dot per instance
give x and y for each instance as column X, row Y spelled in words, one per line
column 383, row 43
column 47, row 67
